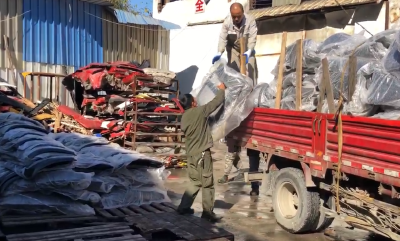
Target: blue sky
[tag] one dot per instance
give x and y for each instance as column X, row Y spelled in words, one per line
column 142, row 4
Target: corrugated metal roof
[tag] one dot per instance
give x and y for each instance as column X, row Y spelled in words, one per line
column 277, row 3
column 127, row 17
column 304, row 7
column 99, row 2
column 62, row 32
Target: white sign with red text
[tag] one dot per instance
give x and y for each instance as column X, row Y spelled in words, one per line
column 199, row 6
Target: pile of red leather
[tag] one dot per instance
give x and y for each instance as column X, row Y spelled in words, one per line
column 106, row 96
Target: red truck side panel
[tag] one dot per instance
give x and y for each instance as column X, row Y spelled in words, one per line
column 279, row 129
column 370, row 145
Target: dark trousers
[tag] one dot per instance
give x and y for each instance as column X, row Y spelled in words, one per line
column 200, row 177
column 254, row 164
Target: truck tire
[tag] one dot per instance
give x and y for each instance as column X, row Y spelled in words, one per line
column 296, row 209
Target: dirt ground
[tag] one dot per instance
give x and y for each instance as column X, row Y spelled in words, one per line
column 251, row 219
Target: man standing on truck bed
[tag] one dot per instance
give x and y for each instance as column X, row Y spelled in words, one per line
column 237, row 25
column 198, row 141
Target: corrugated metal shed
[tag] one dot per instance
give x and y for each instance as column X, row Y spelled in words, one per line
column 62, row 32
column 130, row 18
column 135, row 41
column 305, row 7
column 99, row 2
column 11, row 26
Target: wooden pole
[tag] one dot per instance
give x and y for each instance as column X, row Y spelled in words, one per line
column 12, row 67
column 242, row 58
column 352, row 77
column 280, row 72
column 328, row 86
column 299, row 72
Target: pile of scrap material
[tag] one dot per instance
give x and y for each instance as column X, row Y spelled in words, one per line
column 111, row 99
column 43, row 172
column 12, row 101
column 377, row 88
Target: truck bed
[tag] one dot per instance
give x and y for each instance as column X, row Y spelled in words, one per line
column 371, row 146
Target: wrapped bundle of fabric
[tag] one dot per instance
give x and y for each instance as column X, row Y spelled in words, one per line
column 311, row 59
column 341, row 45
column 384, row 89
column 262, row 96
column 391, row 61
column 234, row 110
column 336, row 66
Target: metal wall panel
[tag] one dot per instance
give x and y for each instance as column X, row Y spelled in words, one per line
column 135, row 42
column 62, row 32
column 11, row 26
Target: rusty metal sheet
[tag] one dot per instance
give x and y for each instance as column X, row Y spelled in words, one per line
column 305, row 6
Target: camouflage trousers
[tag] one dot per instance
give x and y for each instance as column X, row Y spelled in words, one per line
column 232, row 159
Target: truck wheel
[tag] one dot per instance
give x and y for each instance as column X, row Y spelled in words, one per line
column 296, row 209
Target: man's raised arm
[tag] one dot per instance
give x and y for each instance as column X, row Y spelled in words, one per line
column 217, row 101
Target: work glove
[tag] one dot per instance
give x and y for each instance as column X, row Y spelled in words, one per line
column 216, row 58
column 247, row 54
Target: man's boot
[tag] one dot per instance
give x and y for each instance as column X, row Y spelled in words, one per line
column 186, row 211
column 211, row 217
column 254, row 192
column 223, row 179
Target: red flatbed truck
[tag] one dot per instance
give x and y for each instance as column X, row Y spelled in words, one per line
column 301, row 151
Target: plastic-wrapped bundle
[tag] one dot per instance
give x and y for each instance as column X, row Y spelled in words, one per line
column 384, row 89
column 386, row 38
column 119, row 157
column 356, row 106
column 7, row 178
column 391, row 61
column 333, row 42
column 336, row 65
column 238, row 87
column 262, row 96
column 290, row 79
column 21, row 186
column 325, row 106
column 122, row 197
column 12, row 117
column 389, row 114
column 344, row 47
column 308, row 102
column 36, row 203
column 77, row 141
column 372, row 50
column 311, row 59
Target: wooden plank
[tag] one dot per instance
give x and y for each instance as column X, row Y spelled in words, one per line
column 322, row 93
column 299, row 72
column 162, row 207
column 127, row 211
column 12, row 67
column 242, row 42
column 150, row 209
column 328, row 85
column 76, row 233
column 280, row 72
column 138, row 209
column 116, row 212
column 170, row 205
column 198, row 232
column 103, row 213
column 352, row 76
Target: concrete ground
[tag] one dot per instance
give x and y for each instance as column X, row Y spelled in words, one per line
column 251, row 219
